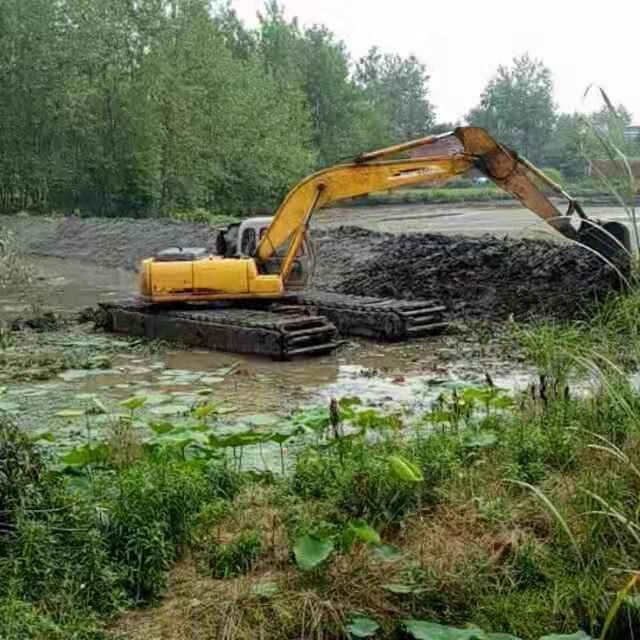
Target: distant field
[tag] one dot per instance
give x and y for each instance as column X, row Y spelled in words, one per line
column 455, row 195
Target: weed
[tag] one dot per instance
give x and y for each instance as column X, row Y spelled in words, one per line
column 527, row 566
column 61, row 554
column 21, row 472
column 20, row 620
column 151, row 511
column 51, row 547
column 14, row 269
column 553, row 349
column 532, row 448
column 124, row 442
column 360, row 484
column 229, row 559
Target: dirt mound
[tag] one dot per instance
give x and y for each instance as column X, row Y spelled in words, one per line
column 343, row 250
column 481, row 278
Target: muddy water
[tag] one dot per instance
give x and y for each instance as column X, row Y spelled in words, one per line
column 66, row 285
column 407, row 375
column 499, row 219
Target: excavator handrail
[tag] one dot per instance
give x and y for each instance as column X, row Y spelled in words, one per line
column 402, row 147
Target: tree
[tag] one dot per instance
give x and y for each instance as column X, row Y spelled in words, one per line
column 314, row 62
column 611, row 122
column 137, row 107
column 399, row 88
column 31, row 108
column 231, row 140
column 565, row 150
column 240, row 40
column 331, row 96
column 575, row 139
column 444, row 127
column 517, row 107
column 278, row 44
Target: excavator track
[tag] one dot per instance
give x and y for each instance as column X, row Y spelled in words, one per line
column 384, row 319
column 279, row 335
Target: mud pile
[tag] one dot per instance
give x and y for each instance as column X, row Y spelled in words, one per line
column 476, row 278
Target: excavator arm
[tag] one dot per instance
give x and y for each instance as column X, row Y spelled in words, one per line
column 436, row 160
column 348, row 181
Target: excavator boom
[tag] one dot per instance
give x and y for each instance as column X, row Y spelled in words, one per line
column 349, row 181
column 434, row 159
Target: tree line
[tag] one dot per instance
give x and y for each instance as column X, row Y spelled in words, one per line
column 140, row 107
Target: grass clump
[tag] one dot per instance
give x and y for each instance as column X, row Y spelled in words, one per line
column 234, row 558
column 14, row 268
column 74, row 550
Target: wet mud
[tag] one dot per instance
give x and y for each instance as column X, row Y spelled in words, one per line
column 109, row 242
column 482, row 278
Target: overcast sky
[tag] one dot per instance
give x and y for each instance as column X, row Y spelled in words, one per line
column 463, row 42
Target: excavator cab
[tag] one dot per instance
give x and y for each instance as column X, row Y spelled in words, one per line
column 241, row 239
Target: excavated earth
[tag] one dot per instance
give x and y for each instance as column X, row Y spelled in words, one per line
column 482, row 278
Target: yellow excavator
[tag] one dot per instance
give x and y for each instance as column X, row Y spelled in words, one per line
column 180, row 287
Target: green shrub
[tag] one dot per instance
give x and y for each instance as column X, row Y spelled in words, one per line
column 531, row 445
column 526, row 566
column 438, row 456
column 611, row 413
column 369, row 491
column 150, row 513
column 21, row 472
column 358, row 482
column 55, row 547
column 315, row 475
column 21, row 620
column 224, row 483
column 234, row 558
column 59, row 552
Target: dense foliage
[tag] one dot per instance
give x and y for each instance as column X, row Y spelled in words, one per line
column 162, row 105
column 518, row 107
column 171, row 106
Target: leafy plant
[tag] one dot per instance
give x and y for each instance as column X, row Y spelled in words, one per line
column 421, row 630
column 362, row 627
column 404, row 470
column 229, row 559
column 310, row 551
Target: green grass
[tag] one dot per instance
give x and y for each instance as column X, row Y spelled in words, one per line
column 517, row 514
column 587, row 190
column 433, row 196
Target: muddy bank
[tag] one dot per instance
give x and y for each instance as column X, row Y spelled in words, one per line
column 475, row 277
column 109, row 242
column 481, row 278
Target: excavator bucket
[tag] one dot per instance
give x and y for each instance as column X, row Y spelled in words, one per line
column 529, row 185
column 611, row 240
